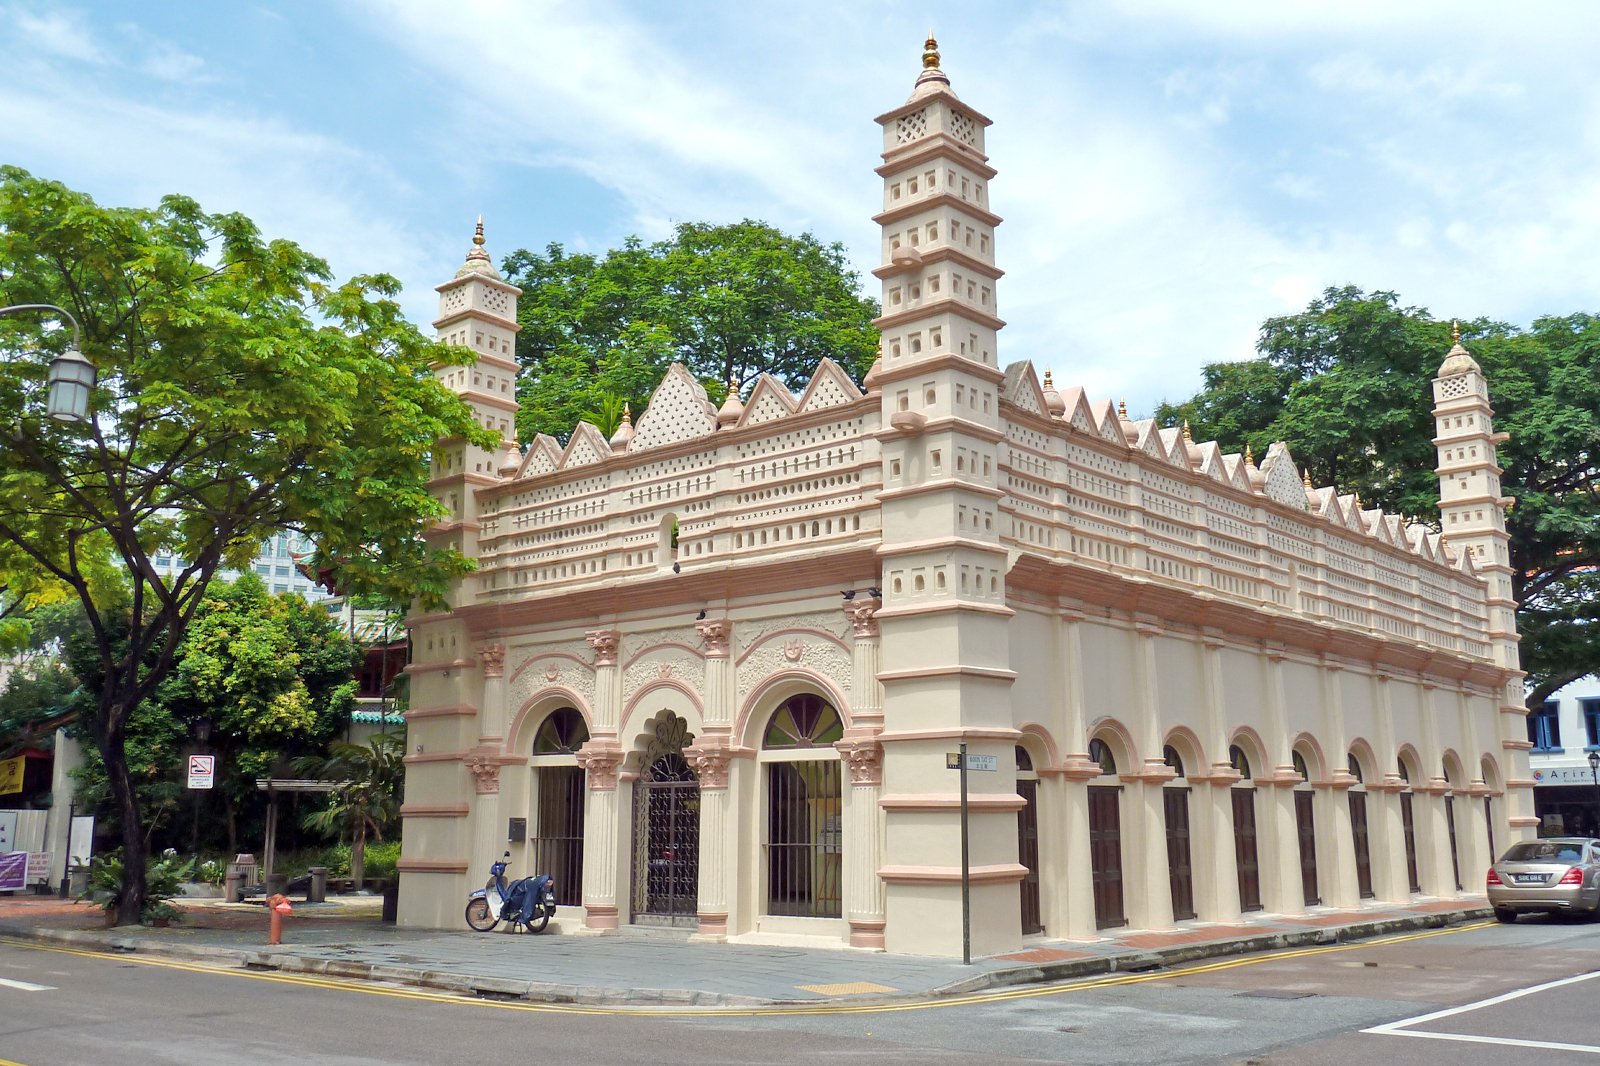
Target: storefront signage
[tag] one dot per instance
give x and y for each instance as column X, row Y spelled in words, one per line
column 1563, row 775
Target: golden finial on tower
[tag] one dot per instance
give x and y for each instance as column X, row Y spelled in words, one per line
column 733, row 384
column 1122, row 410
column 930, row 53
column 1305, row 478
column 1047, row 380
column 477, row 236
column 1249, row 459
column 627, row 414
column 1455, row 332
column 1186, row 434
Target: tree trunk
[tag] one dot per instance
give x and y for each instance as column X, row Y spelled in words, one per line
column 358, row 855
column 130, row 901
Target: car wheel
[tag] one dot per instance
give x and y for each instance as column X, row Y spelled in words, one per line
column 1501, row 914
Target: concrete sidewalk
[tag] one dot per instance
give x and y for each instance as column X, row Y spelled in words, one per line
column 344, row 938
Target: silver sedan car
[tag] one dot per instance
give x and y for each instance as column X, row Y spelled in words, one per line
column 1559, row 875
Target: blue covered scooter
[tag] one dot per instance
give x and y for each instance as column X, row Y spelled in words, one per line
column 528, row 902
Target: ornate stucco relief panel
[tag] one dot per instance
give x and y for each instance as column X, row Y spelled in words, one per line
column 552, row 666
column 784, row 652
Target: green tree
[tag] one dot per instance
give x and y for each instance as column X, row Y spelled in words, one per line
column 271, row 675
column 730, row 302
column 241, row 393
column 1347, row 383
column 367, row 799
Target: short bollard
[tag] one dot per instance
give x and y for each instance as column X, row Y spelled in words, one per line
column 277, row 907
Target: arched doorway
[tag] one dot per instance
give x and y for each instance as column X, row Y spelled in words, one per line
column 1028, row 841
column 558, row 803
column 1358, row 828
column 805, row 811
column 666, row 831
column 1105, row 839
column 1175, row 811
column 1243, row 795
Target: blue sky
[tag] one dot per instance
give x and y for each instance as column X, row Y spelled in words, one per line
column 1171, row 171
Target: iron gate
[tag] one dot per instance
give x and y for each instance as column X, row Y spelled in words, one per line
column 666, row 842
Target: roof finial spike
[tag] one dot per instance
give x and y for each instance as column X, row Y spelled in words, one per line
column 930, row 52
column 1305, row 477
column 1122, row 410
column 477, row 253
column 627, row 414
column 1248, row 458
column 1455, row 332
column 477, row 237
column 1047, row 383
column 1186, row 434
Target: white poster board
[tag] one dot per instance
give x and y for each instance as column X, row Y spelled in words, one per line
column 80, row 842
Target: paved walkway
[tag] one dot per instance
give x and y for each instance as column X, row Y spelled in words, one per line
column 345, row 938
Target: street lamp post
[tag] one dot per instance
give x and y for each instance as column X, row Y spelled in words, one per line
column 71, row 375
column 1594, row 772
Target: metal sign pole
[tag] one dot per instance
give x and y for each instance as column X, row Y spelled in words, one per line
column 966, row 871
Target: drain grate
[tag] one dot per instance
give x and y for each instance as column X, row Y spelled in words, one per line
column 1274, row 993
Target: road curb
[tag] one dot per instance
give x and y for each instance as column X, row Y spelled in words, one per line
column 545, row 992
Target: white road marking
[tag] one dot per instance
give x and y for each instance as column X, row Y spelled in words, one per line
column 26, row 986
column 1402, row 1027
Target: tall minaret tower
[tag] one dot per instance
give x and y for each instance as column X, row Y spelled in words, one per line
column 477, row 311
column 945, row 668
column 1472, row 517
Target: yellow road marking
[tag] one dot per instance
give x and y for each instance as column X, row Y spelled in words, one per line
column 964, row 1000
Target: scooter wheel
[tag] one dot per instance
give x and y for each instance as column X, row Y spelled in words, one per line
column 538, row 923
column 479, row 916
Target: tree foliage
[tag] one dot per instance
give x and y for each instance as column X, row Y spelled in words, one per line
column 267, row 679
column 729, row 302
column 241, row 392
column 1347, row 383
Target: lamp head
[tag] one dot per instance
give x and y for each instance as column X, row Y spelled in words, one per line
column 71, row 380
column 1594, row 760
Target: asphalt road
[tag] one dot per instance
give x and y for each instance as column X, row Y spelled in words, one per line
column 1304, row 1007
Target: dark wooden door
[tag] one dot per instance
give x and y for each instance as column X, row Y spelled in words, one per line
column 1028, row 854
column 1105, row 856
column 1306, row 829
column 1488, row 821
column 1358, row 835
column 1450, row 824
column 558, row 850
column 1244, row 848
column 1408, row 827
column 1179, row 867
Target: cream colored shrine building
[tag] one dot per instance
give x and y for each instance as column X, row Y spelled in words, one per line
column 710, row 670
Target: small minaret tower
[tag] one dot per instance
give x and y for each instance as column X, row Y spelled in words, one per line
column 1472, row 518
column 944, row 568
column 477, row 311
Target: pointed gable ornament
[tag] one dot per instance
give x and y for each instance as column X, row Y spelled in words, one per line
column 679, row 410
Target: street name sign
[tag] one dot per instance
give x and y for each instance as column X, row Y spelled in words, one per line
column 952, row 761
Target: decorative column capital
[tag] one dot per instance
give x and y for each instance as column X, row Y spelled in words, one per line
column 715, row 632
column 601, row 759
column 710, row 764
column 863, row 617
column 865, row 758
column 492, row 657
column 604, row 643
column 485, row 770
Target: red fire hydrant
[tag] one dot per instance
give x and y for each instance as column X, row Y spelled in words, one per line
column 277, row 907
